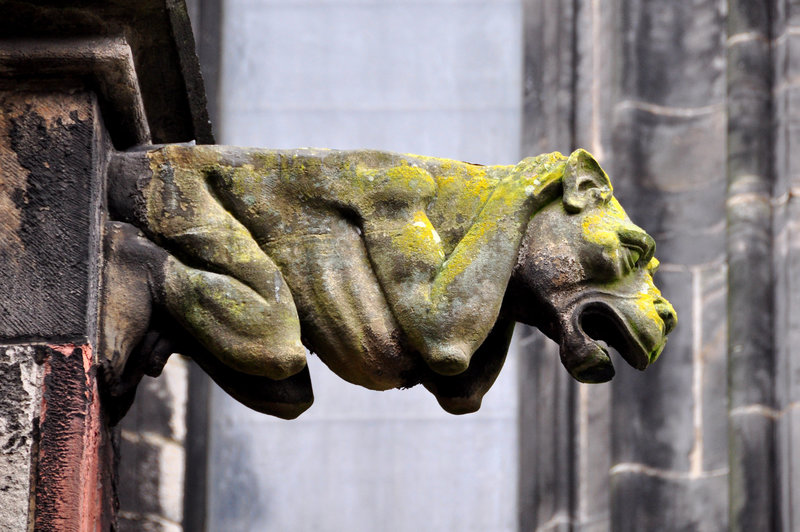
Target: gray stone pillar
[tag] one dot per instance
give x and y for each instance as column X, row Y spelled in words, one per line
column 752, row 357
column 785, row 201
column 689, row 107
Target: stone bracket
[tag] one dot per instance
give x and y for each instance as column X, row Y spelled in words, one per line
column 105, row 64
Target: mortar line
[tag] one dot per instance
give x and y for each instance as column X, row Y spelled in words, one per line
column 696, row 454
column 559, row 518
column 669, row 110
column 635, row 467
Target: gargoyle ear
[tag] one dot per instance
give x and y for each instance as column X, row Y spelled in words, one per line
column 585, row 183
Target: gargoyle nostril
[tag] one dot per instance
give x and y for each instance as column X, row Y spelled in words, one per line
column 666, row 313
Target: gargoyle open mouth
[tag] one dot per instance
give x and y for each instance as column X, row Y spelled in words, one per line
column 594, row 326
column 607, row 328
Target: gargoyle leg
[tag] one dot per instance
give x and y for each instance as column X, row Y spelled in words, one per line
column 236, row 300
column 139, row 334
column 463, row 393
column 447, row 305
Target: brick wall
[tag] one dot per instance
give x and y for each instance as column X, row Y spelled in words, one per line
column 151, row 453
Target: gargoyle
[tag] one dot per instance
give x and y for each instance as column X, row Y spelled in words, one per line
column 394, row 269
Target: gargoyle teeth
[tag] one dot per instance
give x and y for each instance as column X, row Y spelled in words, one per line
column 603, row 345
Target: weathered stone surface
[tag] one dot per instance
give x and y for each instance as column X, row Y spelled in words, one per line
column 750, row 17
column 671, row 172
column 160, row 38
column 643, row 501
column 788, row 306
column 546, row 413
column 151, row 453
column 592, row 457
column 753, row 474
column 105, row 64
column 73, row 485
column 712, row 363
column 705, row 136
column 671, row 52
column 52, row 150
column 750, row 156
column 642, row 433
column 20, row 401
column 788, row 466
column 48, row 200
column 381, row 253
column 548, row 102
column 791, row 163
column 751, row 356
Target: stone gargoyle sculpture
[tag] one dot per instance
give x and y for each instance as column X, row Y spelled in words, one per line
column 394, row 269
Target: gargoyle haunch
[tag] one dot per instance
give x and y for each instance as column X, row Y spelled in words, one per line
column 394, row 269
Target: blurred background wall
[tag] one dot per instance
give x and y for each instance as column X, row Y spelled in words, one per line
column 429, row 77
column 689, row 106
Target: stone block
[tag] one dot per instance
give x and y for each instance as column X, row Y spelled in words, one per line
column 787, row 131
column 751, row 303
column 791, row 10
column 752, row 471
column 653, row 412
column 671, row 53
column 787, row 303
column 713, row 361
column 548, row 77
column 745, row 16
column 750, row 119
column 671, row 153
column 151, row 480
column 160, row 405
column 592, row 461
column 600, row 524
column 20, row 402
column 788, row 466
column 48, row 199
column 642, row 501
column 787, row 58
column 546, row 422
column 792, row 132
column 669, row 173
column 781, row 145
column 138, row 482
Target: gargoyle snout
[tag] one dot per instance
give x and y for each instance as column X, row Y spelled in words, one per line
column 667, row 314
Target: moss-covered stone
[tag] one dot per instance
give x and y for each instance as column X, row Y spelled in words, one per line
column 397, row 268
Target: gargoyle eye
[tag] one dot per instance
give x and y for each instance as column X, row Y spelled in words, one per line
column 638, row 242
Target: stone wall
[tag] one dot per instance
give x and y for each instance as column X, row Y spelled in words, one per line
column 690, row 108
column 688, row 105
column 152, row 456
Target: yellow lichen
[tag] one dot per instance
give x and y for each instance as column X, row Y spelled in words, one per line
column 419, row 240
column 600, row 226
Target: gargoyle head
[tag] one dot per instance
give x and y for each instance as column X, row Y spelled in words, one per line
column 590, row 269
